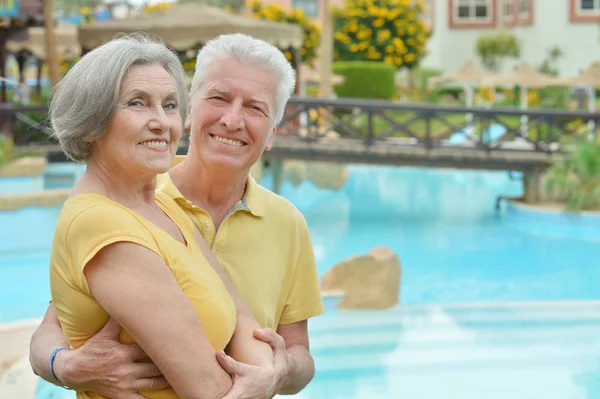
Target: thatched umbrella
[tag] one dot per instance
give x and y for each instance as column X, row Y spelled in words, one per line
column 469, row 76
column 525, row 77
column 589, row 77
column 187, row 25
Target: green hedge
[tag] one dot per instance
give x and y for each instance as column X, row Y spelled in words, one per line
column 366, row 79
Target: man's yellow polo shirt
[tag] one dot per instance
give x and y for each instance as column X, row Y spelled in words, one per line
column 265, row 247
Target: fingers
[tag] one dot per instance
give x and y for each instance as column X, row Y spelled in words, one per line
column 150, row 384
column 234, row 393
column 134, row 395
column 271, row 337
column 228, row 364
column 145, row 370
column 111, row 329
column 135, row 352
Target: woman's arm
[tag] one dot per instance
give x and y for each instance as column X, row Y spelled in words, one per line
column 137, row 289
column 243, row 347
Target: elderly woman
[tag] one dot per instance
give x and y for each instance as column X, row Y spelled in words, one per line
column 125, row 252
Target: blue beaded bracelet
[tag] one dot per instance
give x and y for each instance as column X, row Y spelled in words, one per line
column 51, row 362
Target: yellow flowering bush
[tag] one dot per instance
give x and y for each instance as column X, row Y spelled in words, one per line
column 158, row 7
column 391, row 31
column 486, row 94
column 312, row 31
column 533, row 98
column 88, row 15
column 189, row 65
column 65, row 64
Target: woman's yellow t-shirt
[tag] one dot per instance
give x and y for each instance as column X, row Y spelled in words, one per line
column 90, row 222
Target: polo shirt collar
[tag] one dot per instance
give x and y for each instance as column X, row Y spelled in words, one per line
column 252, row 200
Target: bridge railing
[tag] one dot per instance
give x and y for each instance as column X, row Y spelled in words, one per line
column 373, row 121
column 434, row 126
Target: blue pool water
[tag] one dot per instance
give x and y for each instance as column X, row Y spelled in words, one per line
column 497, row 305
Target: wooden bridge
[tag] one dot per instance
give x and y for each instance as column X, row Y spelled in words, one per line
column 382, row 132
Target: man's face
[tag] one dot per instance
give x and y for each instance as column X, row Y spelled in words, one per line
column 230, row 119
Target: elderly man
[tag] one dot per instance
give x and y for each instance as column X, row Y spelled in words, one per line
column 238, row 96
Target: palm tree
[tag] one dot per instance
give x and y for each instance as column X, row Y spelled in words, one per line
column 576, row 180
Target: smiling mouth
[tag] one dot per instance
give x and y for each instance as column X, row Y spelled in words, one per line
column 155, row 144
column 231, row 142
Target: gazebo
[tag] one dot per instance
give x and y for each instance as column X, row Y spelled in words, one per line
column 189, row 25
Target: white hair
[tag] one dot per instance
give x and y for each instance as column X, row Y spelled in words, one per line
column 85, row 100
column 253, row 51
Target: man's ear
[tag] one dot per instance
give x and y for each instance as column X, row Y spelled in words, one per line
column 271, row 138
column 188, row 120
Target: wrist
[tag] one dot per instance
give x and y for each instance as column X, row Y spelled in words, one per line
column 61, row 367
column 289, row 371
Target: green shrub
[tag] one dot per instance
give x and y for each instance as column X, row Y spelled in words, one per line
column 366, row 79
column 576, row 180
column 9, row 153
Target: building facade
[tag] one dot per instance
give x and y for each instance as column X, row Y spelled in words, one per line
column 570, row 25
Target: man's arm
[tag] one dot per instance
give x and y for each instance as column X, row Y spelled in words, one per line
column 101, row 365
column 243, row 347
column 45, row 339
column 301, row 364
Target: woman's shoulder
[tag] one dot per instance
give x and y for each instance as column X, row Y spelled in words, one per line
column 91, row 213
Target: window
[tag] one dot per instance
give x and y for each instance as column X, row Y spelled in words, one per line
column 473, row 10
column 584, row 10
column 524, row 8
column 508, row 12
column 589, row 5
column 310, row 7
column 507, row 9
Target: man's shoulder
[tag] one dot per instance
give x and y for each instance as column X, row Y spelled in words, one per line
column 278, row 206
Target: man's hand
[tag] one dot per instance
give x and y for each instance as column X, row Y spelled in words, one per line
column 249, row 382
column 282, row 361
column 106, row 366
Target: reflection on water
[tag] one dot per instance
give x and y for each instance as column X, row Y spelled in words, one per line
column 453, row 245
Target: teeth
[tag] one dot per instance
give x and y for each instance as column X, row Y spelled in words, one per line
column 228, row 141
column 157, row 144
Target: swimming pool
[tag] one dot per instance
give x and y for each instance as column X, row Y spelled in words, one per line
column 497, row 305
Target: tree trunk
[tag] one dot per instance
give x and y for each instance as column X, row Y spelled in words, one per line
column 51, row 52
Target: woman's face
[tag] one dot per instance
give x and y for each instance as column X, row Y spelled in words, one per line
column 142, row 138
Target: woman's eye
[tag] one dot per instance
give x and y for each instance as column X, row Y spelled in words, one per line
column 135, row 103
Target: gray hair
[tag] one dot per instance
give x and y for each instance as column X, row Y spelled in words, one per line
column 254, row 51
column 85, row 100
